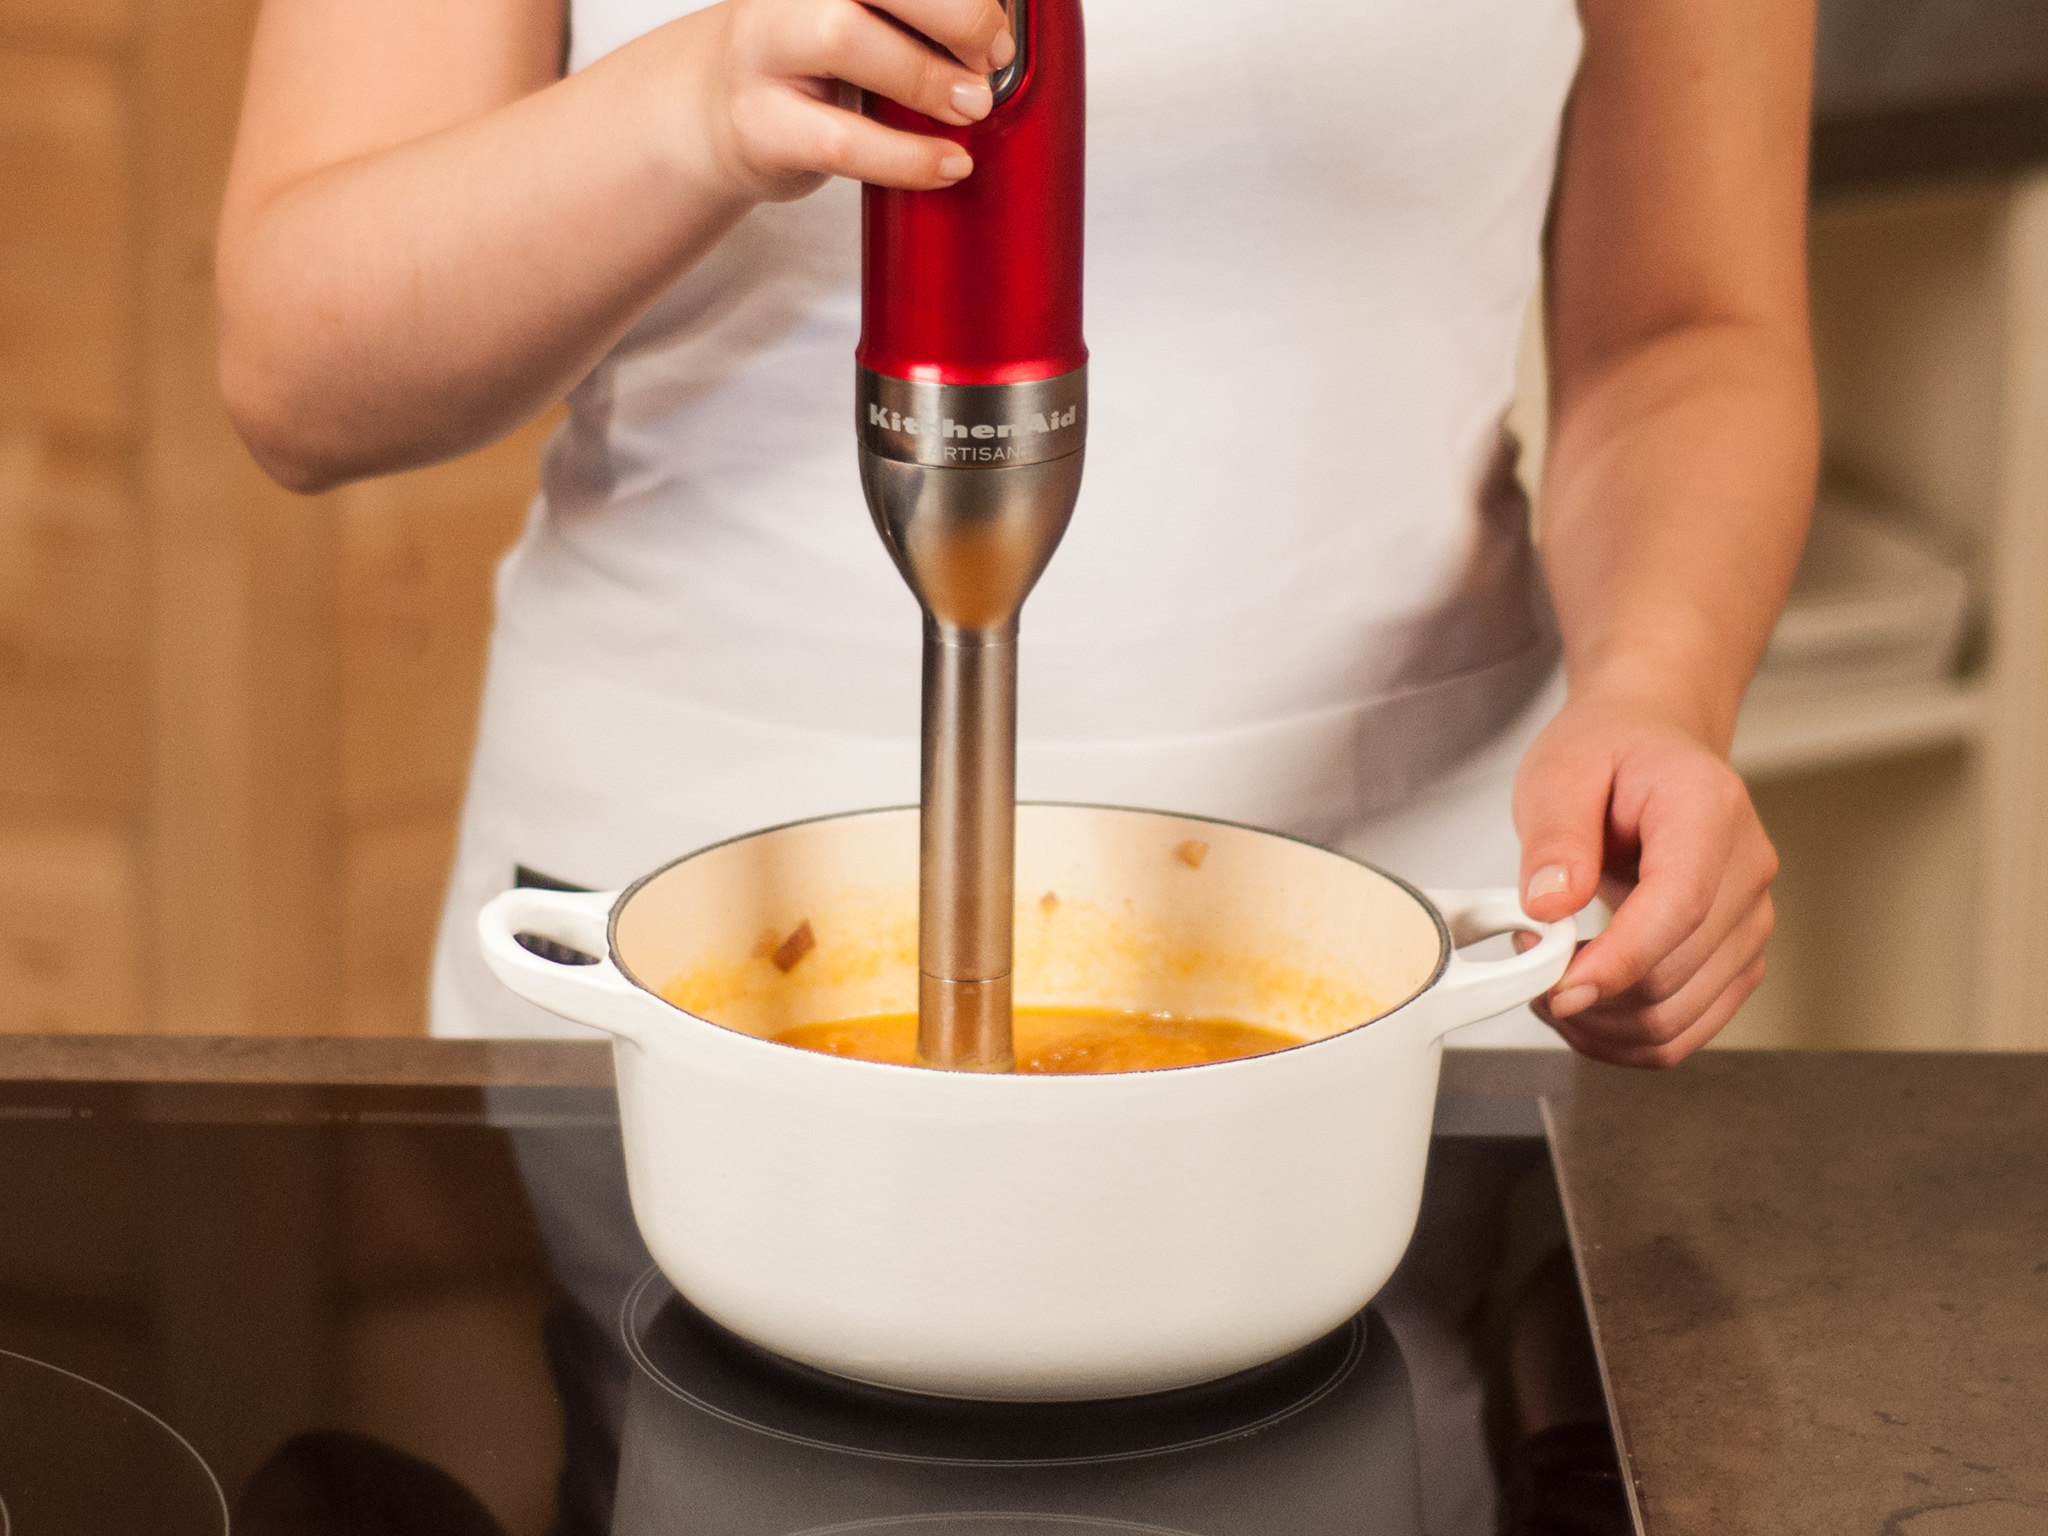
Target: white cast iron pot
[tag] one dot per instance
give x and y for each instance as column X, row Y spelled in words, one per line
column 1003, row 1236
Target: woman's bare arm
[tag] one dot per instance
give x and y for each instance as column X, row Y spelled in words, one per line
column 1682, row 464
column 428, row 235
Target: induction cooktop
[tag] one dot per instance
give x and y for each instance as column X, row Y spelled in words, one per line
column 301, row 1311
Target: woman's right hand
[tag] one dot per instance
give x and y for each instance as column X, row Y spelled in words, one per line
column 429, row 234
column 777, row 78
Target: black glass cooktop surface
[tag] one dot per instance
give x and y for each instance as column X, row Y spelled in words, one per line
column 282, row 1311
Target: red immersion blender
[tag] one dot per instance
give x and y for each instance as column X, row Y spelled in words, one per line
column 972, row 404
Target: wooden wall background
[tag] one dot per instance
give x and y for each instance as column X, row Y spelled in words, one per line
column 234, row 723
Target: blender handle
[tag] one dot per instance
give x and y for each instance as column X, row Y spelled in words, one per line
column 591, row 990
column 1471, row 990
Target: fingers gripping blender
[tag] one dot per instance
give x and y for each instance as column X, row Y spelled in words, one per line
column 972, row 410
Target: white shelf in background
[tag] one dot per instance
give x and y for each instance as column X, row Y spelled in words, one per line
column 1787, row 735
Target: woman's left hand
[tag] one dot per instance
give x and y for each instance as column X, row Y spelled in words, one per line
column 1618, row 791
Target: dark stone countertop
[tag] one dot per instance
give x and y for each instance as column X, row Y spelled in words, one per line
column 1819, row 1285
column 1819, row 1282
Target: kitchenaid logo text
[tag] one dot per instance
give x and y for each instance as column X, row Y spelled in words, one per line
column 982, row 442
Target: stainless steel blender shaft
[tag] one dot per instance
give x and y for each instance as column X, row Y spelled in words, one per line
column 967, row 847
column 971, row 487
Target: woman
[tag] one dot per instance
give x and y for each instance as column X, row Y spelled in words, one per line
column 1297, row 590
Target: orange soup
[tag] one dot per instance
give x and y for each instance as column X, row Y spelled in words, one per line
column 1058, row 1040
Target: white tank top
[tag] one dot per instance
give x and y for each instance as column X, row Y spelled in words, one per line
column 1312, row 230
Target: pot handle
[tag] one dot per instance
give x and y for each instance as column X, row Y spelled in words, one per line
column 1471, row 990
column 593, row 991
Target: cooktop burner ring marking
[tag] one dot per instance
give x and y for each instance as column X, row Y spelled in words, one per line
column 985, row 1516
column 1354, row 1352
column 219, row 1493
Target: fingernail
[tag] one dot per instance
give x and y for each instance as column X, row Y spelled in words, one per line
column 1573, row 1000
column 972, row 99
column 1003, row 49
column 953, row 167
column 1550, row 880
